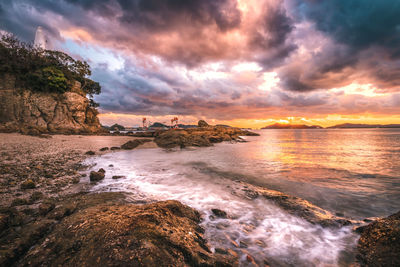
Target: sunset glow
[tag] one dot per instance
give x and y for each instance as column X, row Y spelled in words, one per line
column 242, row 63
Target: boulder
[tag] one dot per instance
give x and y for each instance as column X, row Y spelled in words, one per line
column 379, row 244
column 96, row 176
column 202, row 123
column 219, row 213
column 134, row 143
column 28, row 184
column 159, row 234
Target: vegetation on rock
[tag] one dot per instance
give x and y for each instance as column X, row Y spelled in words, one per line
column 44, row 70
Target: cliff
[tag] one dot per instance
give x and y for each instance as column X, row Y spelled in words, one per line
column 39, row 112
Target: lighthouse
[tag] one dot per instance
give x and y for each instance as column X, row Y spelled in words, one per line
column 40, row 38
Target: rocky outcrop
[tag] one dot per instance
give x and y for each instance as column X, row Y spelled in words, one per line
column 93, row 229
column 202, row 123
column 200, row 137
column 37, row 112
column 135, row 143
column 379, row 244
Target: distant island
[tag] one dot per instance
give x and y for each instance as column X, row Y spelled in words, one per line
column 352, row 126
column 292, row 126
column 339, row 126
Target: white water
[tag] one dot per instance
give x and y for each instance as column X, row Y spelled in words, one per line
column 269, row 234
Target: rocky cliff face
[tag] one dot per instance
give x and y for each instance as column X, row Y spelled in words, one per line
column 27, row 111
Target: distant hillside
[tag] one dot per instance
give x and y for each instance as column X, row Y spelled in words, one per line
column 117, row 127
column 292, row 126
column 158, row 125
column 352, row 126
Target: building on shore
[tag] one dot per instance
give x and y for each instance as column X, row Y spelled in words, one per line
column 40, row 38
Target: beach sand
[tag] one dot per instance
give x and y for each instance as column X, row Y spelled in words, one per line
column 53, row 164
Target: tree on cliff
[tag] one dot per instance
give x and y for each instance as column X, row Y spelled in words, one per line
column 44, row 70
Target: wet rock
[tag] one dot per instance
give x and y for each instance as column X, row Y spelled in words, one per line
column 62, row 211
column 134, row 143
column 104, row 149
column 158, row 234
column 35, row 196
column 201, row 137
column 243, row 244
column 45, row 208
column 28, row 184
column 27, row 237
column 219, row 213
column 96, row 176
column 216, row 139
column 3, row 221
column 144, row 134
column 102, row 170
column 379, row 244
column 293, row 205
column 118, row 176
column 221, row 251
column 19, row 202
column 202, row 123
column 90, row 152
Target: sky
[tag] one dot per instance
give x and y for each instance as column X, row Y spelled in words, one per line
column 245, row 63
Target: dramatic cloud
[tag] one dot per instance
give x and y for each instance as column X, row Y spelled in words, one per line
column 227, row 59
column 364, row 44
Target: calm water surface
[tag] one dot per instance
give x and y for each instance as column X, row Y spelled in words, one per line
column 354, row 173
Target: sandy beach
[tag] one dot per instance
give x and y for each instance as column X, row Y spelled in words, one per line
column 53, row 163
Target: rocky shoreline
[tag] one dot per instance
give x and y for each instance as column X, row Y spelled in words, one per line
column 48, row 218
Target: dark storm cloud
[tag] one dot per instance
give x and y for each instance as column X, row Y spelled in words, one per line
column 367, row 38
column 358, row 23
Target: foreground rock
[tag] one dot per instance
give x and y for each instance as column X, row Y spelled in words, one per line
column 97, row 176
column 135, row 143
column 36, row 112
column 92, row 229
column 200, row 137
column 379, row 244
column 293, row 205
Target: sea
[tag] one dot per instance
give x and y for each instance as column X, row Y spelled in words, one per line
column 352, row 173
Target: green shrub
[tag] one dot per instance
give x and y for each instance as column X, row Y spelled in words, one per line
column 44, row 70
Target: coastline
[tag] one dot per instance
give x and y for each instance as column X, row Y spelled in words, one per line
column 53, row 164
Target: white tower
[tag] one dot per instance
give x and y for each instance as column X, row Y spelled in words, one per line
column 40, row 38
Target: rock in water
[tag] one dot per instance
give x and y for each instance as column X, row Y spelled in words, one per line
column 159, row 234
column 219, row 213
column 96, row 176
column 202, row 123
column 201, row 137
column 379, row 244
column 134, row 143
